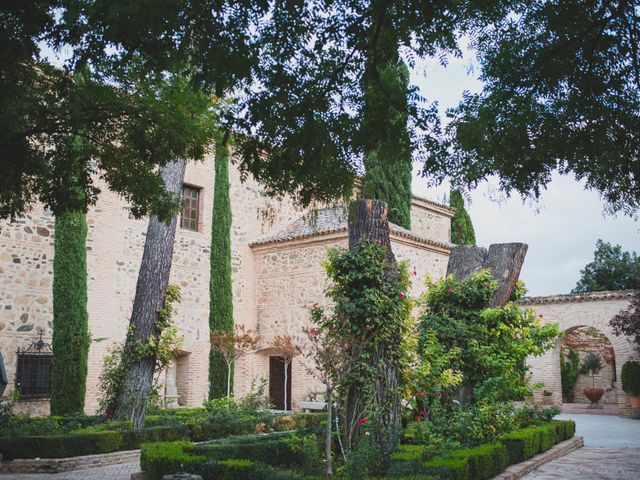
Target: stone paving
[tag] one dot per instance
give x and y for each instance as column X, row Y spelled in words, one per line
column 595, row 463
column 611, row 451
column 121, row 471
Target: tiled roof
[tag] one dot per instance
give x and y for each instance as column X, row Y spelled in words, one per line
column 579, row 297
column 331, row 220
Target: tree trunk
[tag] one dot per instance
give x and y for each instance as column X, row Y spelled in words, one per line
column 503, row 259
column 327, row 449
column 286, row 379
column 368, row 221
column 151, row 289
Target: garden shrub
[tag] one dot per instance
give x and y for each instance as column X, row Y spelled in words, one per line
column 485, row 461
column 60, row 446
column 448, row 468
column 523, row 444
column 630, row 377
column 158, row 459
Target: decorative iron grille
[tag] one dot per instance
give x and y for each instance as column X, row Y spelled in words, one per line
column 33, row 369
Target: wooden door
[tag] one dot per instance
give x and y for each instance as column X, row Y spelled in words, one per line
column 276, row 383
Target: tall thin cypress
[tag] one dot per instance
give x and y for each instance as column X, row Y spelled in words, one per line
column 220, row 287
column 462, row 232
column 71, row 340
column 385, row 135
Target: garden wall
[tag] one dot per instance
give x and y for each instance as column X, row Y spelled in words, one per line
column 592, row 310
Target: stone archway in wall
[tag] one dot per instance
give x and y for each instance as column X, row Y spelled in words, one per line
column 584, row 340
column 571, row 317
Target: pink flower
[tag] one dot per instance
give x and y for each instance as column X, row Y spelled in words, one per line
column 421, row 412
column 414, row 273
column 418, row 419
column 314, row 306
column 313, row 331
column 362, row 421
column 401, row 295
column 421, row 394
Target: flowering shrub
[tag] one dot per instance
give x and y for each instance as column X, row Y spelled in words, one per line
column 488, row 346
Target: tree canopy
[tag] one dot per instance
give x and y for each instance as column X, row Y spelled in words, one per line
column 611, row 269
column 561, row 92
column 130, row 122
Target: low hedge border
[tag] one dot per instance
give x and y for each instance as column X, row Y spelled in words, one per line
column 483, row 462
column 159, row 459
column 96, row 438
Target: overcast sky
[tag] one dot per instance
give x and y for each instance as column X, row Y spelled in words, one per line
column 561, row 229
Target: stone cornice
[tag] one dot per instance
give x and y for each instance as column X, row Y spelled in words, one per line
column 433, row 205
column 335, row 235
column 579, row 297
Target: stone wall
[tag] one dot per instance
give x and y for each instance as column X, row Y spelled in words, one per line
column 290, row 278
column 271, row 284
column 592, row 310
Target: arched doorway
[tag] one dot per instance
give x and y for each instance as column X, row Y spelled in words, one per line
column 575, row 345
column 575, row 315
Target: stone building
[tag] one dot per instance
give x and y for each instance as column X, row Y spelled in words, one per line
column 584, row 320
column 277, row 252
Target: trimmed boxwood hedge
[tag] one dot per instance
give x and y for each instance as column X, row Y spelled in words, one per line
column 483, row 462
column 158, row 459
column 93, row 440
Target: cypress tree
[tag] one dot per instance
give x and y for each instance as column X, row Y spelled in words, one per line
column 220, row 287
column 71, row 338
column 462, row 232
column 70, row 319
column 385, row 136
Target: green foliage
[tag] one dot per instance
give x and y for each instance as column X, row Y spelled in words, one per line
column 462, row 232
column 490, row 344
column 556, row 96
column 569, row 370
column 627, row 322
column 611, row 269
column 385, row 110
column 220, row 286
column 365, row 461
column 70, row 317
column 523, row 444
column 484, row 461
column 631, row 378
column 372, row 314
column 591, row 364
column 161, row 347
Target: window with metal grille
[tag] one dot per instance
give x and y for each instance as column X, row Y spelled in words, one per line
column 190, row 208
column 33, row 370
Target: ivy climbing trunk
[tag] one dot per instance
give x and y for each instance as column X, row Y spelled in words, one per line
column 368, row 221
column 220, row 286
column 151, row 288
column 384, row 133
column 70, row 319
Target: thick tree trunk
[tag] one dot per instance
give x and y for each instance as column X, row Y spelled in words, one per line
column 368, row 221
column 503, row 259
column 151, row 289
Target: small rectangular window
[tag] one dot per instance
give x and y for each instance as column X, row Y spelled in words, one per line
column 33, row 375
column 190, row 208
